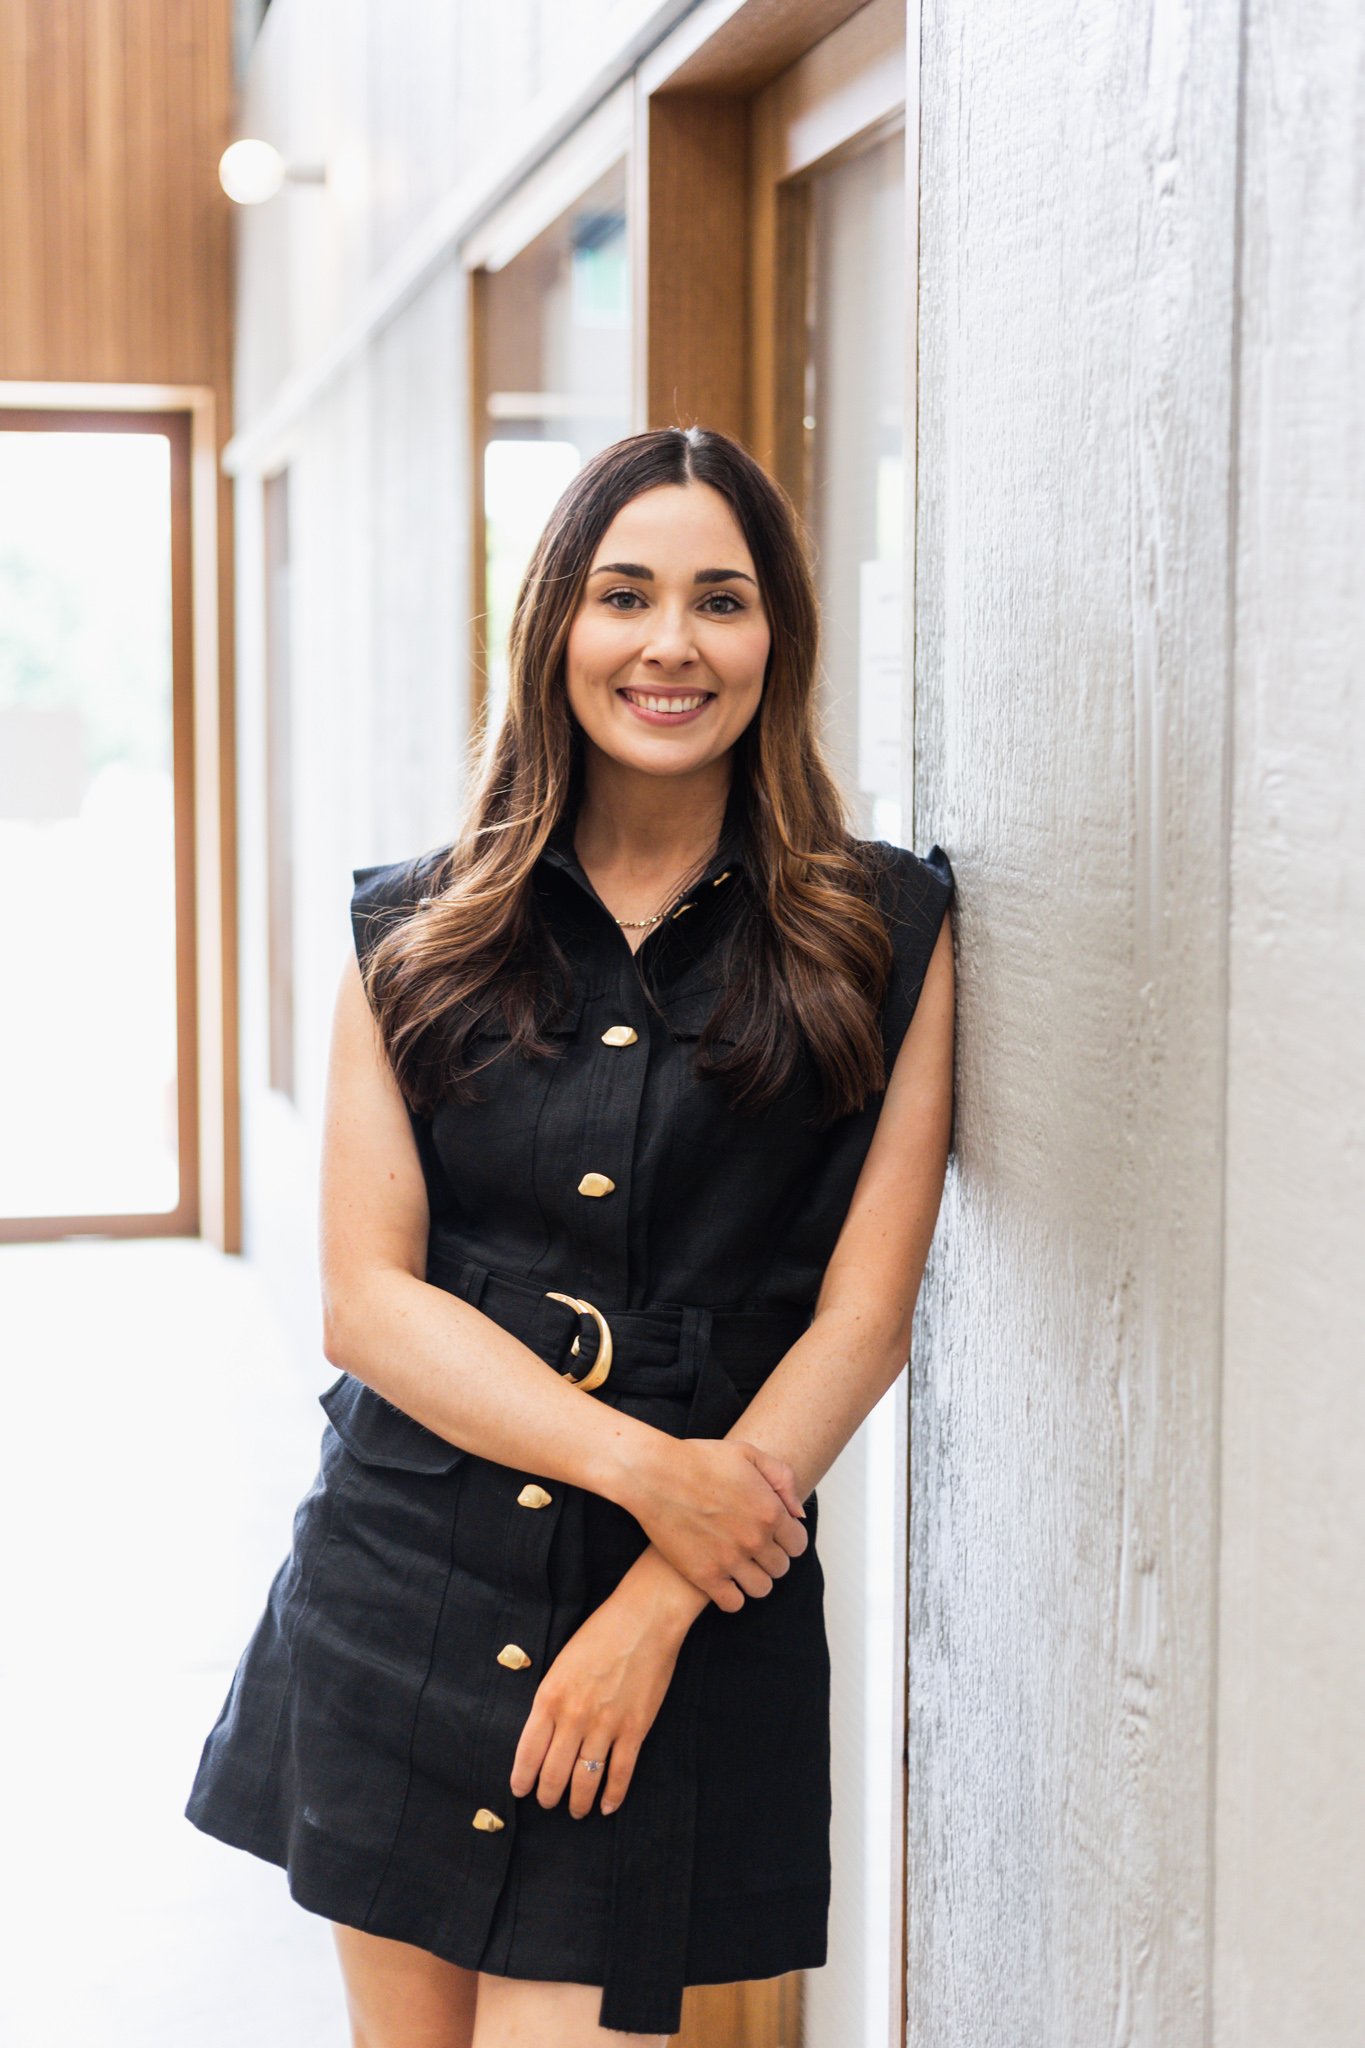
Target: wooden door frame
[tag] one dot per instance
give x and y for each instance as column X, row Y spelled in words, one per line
column 712, row 290
column 205, row 799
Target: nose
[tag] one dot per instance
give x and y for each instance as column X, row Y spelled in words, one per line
column 671, row 643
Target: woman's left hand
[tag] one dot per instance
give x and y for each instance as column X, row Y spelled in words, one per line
column 599, row 1697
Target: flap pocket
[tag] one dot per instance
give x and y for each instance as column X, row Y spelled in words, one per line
column 377, row 1433
column 563, row 1025
column 686, row 1012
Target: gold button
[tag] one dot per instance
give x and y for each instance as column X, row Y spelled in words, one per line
column 719, row 879
column 533, row 1496
column 489, row 1822
column 681, row 908
column 513, row 1656
column 595, row 1184
column 619, row 1034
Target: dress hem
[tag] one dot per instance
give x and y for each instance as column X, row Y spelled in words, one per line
column 798, row 1940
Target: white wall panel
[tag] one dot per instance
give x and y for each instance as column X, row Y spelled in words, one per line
column 1077, row 234
column 416, row 96
column 1290, row 1951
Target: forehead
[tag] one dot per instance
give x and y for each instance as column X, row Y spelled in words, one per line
column 671, row 525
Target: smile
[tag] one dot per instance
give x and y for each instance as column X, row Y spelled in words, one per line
column 667, row 708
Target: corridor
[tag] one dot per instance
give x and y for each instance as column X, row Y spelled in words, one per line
column 159, row 1434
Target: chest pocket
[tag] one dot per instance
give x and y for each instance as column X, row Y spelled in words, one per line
column 487, row 1147
column 686, row 1013
column 754, row 1163
column 491, row 1048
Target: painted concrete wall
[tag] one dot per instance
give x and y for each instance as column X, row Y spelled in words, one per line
column 1290, row 1892
column 1139, row 619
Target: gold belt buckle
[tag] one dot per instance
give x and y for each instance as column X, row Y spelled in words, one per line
column 601, row 1365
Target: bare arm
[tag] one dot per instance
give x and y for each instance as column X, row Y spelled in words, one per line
column 730, row 1515
column 854, row 1349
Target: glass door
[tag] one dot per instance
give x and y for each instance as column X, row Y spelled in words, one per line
column 97, row 1071
column 854, row 418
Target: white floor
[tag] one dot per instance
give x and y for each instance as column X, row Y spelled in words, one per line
column 156, row 1439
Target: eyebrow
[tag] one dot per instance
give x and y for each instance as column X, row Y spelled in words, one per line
column 638, row 569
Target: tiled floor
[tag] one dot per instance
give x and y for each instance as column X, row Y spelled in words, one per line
column 157, row 1437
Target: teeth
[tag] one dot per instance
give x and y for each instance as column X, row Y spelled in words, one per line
column 674, row 704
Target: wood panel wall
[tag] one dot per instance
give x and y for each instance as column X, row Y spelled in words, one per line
column 114, row 231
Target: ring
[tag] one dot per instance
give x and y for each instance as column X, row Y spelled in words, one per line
column 591, row 1763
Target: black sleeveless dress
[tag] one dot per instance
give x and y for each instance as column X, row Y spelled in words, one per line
column 367, row 1738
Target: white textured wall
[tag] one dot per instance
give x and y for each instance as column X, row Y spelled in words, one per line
column 1290, row 1897
column 1137, row 1800
column 1077, row 237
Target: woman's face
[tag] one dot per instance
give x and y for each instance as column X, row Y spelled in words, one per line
column 667, row 650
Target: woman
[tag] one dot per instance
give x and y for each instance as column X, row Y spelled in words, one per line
column 647, row 1079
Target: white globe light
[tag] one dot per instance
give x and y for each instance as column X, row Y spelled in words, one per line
column 250, row 171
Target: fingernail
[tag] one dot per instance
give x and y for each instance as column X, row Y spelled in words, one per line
column 608, row 1806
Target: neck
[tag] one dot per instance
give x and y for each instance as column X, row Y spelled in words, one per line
column 649, row 826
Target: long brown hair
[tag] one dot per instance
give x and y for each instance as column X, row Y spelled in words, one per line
column 808, row 956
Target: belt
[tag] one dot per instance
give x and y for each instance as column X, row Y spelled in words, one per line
column 690, row 1371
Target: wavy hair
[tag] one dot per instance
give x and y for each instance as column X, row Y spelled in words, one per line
column 807, row 956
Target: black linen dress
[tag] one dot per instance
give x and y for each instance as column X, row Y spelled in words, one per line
column 367, row 1738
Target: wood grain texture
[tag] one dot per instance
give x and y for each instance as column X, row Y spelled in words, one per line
column 1077, row 236
column 696, row 334
column 764, row 2014
column 1290, row 1899
column 114, row 230
column 759, row 39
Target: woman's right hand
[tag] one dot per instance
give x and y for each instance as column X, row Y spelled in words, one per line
column 724, row 1512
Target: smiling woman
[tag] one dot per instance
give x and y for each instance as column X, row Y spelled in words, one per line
column 666, row 650
column 638, row 1115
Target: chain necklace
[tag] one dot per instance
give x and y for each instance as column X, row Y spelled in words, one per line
column 639, row 924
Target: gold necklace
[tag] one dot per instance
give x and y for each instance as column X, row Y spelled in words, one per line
column 637, row 924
